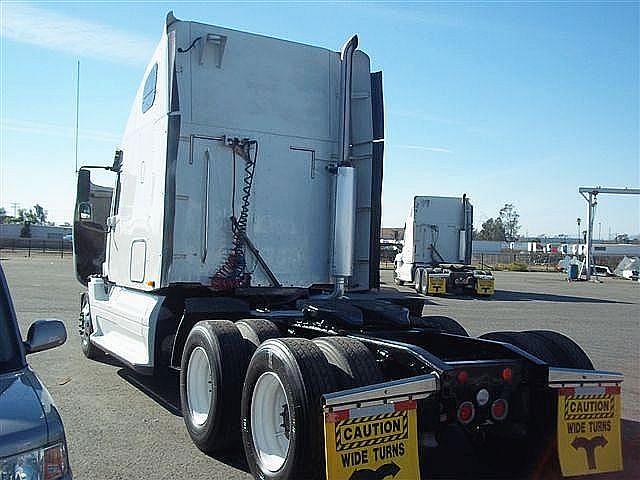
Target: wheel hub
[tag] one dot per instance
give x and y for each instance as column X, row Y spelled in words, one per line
column 270, row 422
column 200, row 388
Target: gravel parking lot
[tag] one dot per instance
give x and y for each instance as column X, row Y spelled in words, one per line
column 121, row 425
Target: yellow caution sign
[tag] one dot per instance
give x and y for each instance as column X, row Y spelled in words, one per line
column 437, row 285
column 589, row 430
column 485, row 286
column 372, row 443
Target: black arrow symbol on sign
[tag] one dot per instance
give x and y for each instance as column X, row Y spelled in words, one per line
column 387, row 470
column 589, row 446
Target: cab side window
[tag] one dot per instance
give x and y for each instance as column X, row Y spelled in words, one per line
column 149, row 92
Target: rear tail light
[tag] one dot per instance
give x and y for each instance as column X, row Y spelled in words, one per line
column 466, row 413
column 499, row 409
column 55, row 463
column 507, row 374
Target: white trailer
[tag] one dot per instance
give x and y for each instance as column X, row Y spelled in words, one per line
column 238, row 247
column 436, row 255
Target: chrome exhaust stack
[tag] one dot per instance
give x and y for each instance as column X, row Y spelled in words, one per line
column 345, row 194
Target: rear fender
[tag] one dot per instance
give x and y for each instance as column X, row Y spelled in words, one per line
column 205, row 308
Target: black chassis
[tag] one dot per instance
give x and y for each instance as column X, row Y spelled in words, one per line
column 385, row 324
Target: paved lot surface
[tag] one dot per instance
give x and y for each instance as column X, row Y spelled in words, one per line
column 121, row 425
column 603, row 318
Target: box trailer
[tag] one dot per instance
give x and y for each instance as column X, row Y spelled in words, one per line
column 238, row 248
column 436, row 254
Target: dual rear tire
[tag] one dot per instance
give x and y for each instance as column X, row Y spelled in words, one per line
column 214, row 361
column 282, row 422
column 554, row 348
column 240, row 382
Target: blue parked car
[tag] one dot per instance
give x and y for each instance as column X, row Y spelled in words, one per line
column 32, row 439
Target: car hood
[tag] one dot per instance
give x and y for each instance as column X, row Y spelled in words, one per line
column 23, row 421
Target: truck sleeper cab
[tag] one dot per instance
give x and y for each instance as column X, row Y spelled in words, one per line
column 437, row 248
column 241, row 249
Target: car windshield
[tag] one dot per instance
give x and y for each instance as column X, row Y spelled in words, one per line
column 10, row 358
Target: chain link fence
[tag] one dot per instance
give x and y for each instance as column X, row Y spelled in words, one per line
column 35, row 246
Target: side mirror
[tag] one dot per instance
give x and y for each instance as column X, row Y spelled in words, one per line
column 45, row 334
column 84, row 186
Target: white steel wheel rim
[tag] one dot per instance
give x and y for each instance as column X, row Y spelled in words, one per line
column 268, row 406
column 199, row 386
column 86, row 324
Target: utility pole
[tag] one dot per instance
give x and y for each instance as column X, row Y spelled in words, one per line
column 15, row 206
column 590, row 194
column 77, row 112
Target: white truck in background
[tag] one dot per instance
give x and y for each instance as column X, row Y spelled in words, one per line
column 238, row 248
column 437, row 248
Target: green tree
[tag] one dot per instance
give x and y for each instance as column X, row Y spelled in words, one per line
column 40, row 214
column 510, row 220
column 492, row 229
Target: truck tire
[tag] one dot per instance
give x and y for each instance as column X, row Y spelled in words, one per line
column 424, row 282
column 444, row 324
column 354, row 365
column 214, row 362
column 282, row 422
column 531, row 344
column 418, row 278
column 89, row 350
column 573, row 356
column 256, row 331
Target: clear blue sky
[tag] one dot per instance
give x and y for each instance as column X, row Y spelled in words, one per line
column 519, row 103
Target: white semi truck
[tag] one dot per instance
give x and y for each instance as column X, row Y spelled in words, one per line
column 239, row 247
column 436, row 252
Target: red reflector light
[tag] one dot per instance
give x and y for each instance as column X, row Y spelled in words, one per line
column 507, row 374
column 466, row 412
column 499, row 409
column 463, row 376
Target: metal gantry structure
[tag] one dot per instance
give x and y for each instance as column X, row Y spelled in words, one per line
column 590, row 195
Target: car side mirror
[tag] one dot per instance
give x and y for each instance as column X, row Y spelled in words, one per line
column 45, row 334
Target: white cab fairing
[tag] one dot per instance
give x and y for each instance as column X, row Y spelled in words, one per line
column 122, row 320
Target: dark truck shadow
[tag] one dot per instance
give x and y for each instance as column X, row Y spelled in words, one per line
column 165, row 391
column 514, row 296
column 630, row 459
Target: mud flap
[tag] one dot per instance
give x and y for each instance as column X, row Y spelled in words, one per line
column 485, row 286
column 589, row 439
column 437, row 284
column 371, row 433
column 588, row 420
